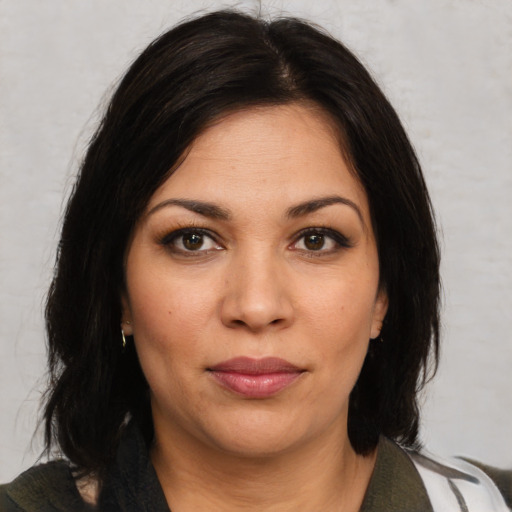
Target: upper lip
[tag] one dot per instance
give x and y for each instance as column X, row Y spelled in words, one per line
column 250, row 366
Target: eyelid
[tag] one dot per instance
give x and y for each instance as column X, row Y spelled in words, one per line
column 175, row 233
column 340, row 239
column 168, row 242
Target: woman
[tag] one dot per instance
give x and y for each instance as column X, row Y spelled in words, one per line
column 245, row 302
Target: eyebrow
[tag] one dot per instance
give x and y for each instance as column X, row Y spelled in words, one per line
column 202, row 208
column 316, row 204
column 214, row 211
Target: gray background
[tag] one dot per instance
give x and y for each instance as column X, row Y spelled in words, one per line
column 447, row 68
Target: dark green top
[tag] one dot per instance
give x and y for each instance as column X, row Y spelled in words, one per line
column 132, row 484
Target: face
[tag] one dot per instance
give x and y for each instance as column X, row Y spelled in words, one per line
column 252, row 286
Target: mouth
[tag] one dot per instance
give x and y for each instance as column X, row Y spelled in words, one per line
column 255, row 378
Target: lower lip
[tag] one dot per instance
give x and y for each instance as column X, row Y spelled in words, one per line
column 255, row 386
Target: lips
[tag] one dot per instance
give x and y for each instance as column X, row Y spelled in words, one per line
column 255, row 378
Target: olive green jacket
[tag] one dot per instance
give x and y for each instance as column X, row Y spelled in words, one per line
column 132, row 485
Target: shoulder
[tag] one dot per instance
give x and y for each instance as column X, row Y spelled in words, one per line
column 405, row 481
column 462, row 483
column 49, row 487
column 502, row 478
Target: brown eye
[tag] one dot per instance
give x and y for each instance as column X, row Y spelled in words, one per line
column 192, row 241
column 314, row 242
column 322, row 241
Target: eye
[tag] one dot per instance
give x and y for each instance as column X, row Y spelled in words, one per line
column 321, row 240
column 315, row 242
column 189, row 241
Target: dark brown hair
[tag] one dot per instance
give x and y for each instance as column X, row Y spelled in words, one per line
column 184, row 80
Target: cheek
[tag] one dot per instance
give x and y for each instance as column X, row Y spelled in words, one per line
column 339, row 320
column 341, row 309
column 165, row 306
column 168, row 320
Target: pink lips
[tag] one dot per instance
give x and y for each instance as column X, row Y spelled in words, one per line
column 255, row 378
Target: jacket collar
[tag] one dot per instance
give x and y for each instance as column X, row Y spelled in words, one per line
column 395, row 484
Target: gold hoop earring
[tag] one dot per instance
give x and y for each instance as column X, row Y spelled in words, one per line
column 124, row 339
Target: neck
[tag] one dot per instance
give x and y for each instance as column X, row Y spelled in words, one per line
column 322, row 475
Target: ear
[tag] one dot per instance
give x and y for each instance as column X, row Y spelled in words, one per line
column 379, row 313
column 126, row 316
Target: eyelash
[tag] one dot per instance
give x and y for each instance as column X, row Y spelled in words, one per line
column 340, row 241
column 169, row 239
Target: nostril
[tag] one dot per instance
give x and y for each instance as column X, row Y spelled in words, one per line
column 254, row 326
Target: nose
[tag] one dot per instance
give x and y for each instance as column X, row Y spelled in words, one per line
column 257, row 295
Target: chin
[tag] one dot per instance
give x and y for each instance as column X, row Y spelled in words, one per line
column 258, row 436
column 260, row 447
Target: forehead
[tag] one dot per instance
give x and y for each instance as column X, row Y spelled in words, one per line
column 265, row 155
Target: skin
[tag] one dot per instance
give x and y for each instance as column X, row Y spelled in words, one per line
column 257, row 287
